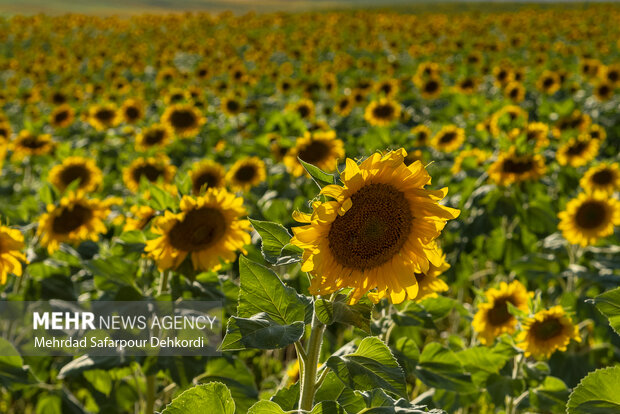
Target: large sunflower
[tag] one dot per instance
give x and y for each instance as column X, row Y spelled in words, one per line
column 132, row 110
column 319, row 148
column 548, row 331
column 103, row 116
column 11, row 256
column 207, row 174
column 76, row 168
column 578, row 151
column 382, row 112
column 184, row 119
column 493, row 318
column 511, row 167
column 73, row 220
column 246, row 173
column 208, row 228
column 158, row 135
column 588, row 218
column 449, row 138
column 377, row 233
column 152, row 168
column 603, row 178
column 29, row 144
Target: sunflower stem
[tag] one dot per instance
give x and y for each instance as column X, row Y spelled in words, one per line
column 313, row 351
column 150, row 394
column 163, row 282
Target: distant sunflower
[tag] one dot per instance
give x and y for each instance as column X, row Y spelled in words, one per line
column 62, row 116
column 467, row 85
column 377, row 233
column 157, row 135
column 139, row 218
column 589, row 217
column 81, row 169
column 344, row 105
column 430, row 88
column 184, row 119
column 73, row 220
column 449, row 138
column 28, row 144
column 421, row 135
column 207, row 174
column 208, row 229
column 388, row 88
column 151, row 168
column 476, row 155
column 515, row 91
column 538, row 134
column 578, row 151
column 231, row 106
column 493, row 318
column 511, row 167
column 11, row 256
column 549, row 82
column 103, row 116
column 304, row 108
column 548, row 331
column 429, row 284
column 246, row 173
column 319, row 148
column 132, row 110
column 382, row 112
column 597, row 132
column 503, row 75
column 603, row 178
column 604, row 91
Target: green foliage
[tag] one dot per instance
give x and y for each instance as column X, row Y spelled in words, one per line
column 597, row 393
column 212, row 398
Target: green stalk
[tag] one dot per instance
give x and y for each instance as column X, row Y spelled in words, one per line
column 308, row 379
column 150, row 394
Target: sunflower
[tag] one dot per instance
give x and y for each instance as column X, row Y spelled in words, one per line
column 103, row 116
column 449, row 138
column 344, row 105
column 611, row 74
column 5, row 131
column 382, row 112
column 515, row 91
column 510, row 119
column 152, row 168
column 62, row 116
column 548, row 331
column 549, row 82
column 511, row 167
column 467, row 85
column 208, row 228
column 246, row 173
column 604, row 90
column 73, row 220
column 493, row 317
column 578, row 151
column 184, row 119
column 413, row 156
column 157, row 135
column 537, row 133
column 81, row 169
column 132, row 111
column 28, row 144
column 377, row 233
column 430, row 88
column 603, row 178
column 304, row 108
column 206, row 174
column 387, row 88
column 139, row 218
column 11, row 245
column 319, row 148
column 421, row 135
column 503, row 75
column 231, row 106
column 597, row 132
column 476, row 155
column 429, row 284
column 589, row 217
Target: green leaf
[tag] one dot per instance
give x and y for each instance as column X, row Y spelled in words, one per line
column 371, row 366
column 320, row 177
column 500, row 386
column 596, row 393
column 287, row 397
column 338, row 310
column 328, row 407
column 12, row 369
column 550, row 396
column 439, row 367
column 212, row 398
column 265, row 407
column 407, row 353
column 233, row 373
column 100, row 380
column 160, row 199
column 260, row 332
column 49, row 404
column 482, row 362
column 262, row 290
column 609, row 305
column 274, row 237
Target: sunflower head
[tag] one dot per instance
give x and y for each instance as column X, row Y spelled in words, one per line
column 138, row 218
column 511, row 167
column 184, row 119
column 319, row 148
column 382, row 112
column 603, row 178
column 246, row 173
column 158, row 135
column 153, row 169
column 81, row 169
column 578, row 151
column 11, row 256
column 103, row 116
column 132, row 111
column 589, row 217
column 421, row 135
column 378, row 231
column 206, row 174
column 344, row 105
column 28, row 144
column 546, row 332
column 62, row 116
column 304, row 108
column 449, row 138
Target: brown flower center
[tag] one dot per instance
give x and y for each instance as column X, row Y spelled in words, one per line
column 150, row 171
column 132, row 113
column 75, row 172
column 154, row 136
column 32, row 142
column 104, row 115
column 431, row 86
column 199, row 229
column 183, row 119
column 515, row 166
column 590, row 215
column 499, row 315
column 303, row 110
column 447, row 137
column 373, row 230
column 71, row 218
column 207, row 179
column 245, row 173
column 603, row 177
column 547, row 329
column 383, row 111
column 314, row 152
column 577, row 148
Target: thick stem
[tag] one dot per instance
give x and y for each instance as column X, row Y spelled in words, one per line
column 313, row 351
column 150, row 394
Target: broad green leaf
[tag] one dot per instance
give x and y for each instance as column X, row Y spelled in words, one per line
column 100, row 380
column 439, row 367
column 160, row 199
column 499, row 386
column 274, row 237
column 212, row 398
column 328, row 407
column 338, row 310
column 407, row 353
column 609, row 305
column 482, row 361
column 320, row 177
column 550, row 396
column 233, row 373
column 371, row 366
column 596, row 393
column 287, row 397
column 12, row 369
column 262, row 290
column 265, row 407
column 49, row 404
column 260, row 332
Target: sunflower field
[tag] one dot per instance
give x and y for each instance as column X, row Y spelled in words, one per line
column 398, row 212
